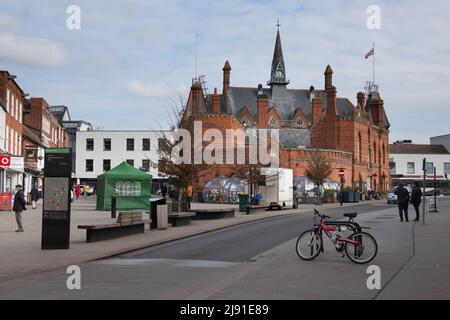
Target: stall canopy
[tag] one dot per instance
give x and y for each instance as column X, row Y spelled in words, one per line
column 132, row 188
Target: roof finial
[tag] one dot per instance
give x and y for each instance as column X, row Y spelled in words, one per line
column 278, row 24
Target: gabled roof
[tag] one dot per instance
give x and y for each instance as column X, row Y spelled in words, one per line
column 59, row 112
column 126, row 171
column 417, row 149
column 286, row 101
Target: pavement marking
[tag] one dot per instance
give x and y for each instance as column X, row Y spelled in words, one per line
column 169, row 262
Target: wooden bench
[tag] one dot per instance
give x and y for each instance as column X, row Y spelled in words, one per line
column 128, row 223
column 178, row 219
column 253, row 208
column 206, row 214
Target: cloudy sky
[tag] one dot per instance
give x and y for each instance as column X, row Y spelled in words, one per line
column 131, row 59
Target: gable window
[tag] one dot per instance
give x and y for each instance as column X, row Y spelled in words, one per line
column 272, row 122
column 299, row 123
column 245, row 122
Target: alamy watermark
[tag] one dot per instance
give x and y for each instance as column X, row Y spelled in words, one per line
column 262, row 146
column 73, row 282
column 373, row 22
column 374, row 280
column 73, row 22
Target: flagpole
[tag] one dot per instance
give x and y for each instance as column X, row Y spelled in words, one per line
column 373, row 61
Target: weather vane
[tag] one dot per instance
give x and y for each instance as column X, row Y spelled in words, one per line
column 278, row 24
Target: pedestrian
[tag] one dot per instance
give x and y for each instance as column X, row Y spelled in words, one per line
column 402, row 201
column 189, row 193
column 85, row 191
column 19, row 206
column 416, row 199
column 164, row 191
column 77, row 191
column 34, row 197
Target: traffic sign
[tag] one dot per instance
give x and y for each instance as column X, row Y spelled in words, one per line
column 5, row 160
column 341, row 173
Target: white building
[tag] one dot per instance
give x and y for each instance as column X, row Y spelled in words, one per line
column 100, row 151
column 407, row 159
column 443, row 140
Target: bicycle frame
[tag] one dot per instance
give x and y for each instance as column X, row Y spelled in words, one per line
column 330, row 228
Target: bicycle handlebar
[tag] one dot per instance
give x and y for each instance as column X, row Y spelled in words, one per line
column 321, row 215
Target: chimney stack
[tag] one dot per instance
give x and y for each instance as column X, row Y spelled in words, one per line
column 331, row 118
column 262, row 105
column 361, row 98
column 216, row 102
column 317, row 108
column 328, row 77
column 197, row 94
column 226, row 77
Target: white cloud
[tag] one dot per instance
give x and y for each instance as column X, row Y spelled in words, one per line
column 139, row 88
column 8, row 23
column 35, row 52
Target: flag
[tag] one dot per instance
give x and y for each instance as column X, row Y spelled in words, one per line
column 370, row 53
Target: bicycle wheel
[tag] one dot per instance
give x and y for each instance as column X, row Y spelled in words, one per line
column 309, row 244
column 364, row 251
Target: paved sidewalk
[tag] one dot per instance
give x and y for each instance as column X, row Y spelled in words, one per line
column 427, row 274
column 22, row 255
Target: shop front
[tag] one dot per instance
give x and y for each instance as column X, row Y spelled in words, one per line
column 13, row 175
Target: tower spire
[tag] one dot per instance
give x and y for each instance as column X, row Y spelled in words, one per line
column 278, row 71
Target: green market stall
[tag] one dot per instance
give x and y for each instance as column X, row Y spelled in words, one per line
column 132, row 188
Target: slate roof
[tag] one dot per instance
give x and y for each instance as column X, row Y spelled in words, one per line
column 59, row 111
column 286, row 101
column 417, row 149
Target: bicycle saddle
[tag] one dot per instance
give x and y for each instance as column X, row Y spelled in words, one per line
column 351, row 215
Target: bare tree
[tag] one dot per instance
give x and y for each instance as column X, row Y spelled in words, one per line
column 318, row 168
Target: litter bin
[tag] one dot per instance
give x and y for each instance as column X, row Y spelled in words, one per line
column 154, row 202
column 243, row 202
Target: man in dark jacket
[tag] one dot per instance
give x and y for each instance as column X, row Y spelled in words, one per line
column 19, row 206
column 402, row 201
column 416, row 199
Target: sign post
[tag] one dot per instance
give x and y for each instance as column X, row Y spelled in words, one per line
column 434, row 206
column 56, row 209
column 342, row 176
column 424, row 168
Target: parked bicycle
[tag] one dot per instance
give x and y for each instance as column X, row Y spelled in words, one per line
column 346, row 236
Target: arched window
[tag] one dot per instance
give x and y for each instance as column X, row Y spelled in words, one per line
column 359, row 147
column 370, row 149
column 374, row 153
